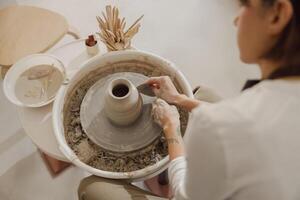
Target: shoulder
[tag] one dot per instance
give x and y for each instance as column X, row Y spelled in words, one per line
column 241, row 110
column 220, row 115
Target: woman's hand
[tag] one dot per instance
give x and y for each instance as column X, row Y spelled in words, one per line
column 164, row 114
column 168, row 117
column 164, row 88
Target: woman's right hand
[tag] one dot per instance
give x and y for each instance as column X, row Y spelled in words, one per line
column 164, row 88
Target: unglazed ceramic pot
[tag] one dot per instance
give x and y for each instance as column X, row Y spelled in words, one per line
column 123, row 104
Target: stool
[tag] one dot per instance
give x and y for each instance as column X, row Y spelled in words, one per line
column 27, row 30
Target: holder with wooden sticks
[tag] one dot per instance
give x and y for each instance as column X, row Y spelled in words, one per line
column 112, row 30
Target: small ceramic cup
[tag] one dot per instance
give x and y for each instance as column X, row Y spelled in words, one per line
column 123, row 103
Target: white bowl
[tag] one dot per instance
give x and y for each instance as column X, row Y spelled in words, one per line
column 21, row 66
column 96, row 63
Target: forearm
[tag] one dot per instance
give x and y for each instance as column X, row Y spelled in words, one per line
column 187, row 103
column 174, row 141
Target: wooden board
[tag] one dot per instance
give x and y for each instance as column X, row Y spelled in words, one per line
column 26, row 30
column 54, row 166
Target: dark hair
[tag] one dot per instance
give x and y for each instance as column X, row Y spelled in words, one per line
column 287, row 49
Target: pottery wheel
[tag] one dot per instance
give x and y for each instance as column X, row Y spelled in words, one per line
column 108, row 135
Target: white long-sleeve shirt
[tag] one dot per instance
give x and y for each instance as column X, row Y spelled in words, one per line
column 246, row 148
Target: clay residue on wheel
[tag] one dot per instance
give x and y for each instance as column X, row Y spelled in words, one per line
column 94, row 155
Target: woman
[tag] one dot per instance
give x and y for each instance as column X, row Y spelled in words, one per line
column 247, row 147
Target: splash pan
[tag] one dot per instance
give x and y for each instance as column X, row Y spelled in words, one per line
column 145, row 153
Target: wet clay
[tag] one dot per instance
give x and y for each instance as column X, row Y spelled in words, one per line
column 38, row 84
column 92, row 154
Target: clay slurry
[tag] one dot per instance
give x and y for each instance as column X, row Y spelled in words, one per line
column 120, row 90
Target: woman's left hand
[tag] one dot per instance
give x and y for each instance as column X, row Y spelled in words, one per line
column 164, row 114
column 168, row 117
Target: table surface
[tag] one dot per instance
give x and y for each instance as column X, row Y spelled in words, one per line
column 37, row 122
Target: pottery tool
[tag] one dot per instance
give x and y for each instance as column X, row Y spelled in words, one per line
column 146, row 89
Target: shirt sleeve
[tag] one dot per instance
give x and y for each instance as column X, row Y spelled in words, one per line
column 177, row 171
column 201, row 174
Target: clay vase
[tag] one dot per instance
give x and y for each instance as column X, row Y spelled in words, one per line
column 123, row 103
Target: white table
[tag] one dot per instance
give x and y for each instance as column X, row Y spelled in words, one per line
column 37, row 122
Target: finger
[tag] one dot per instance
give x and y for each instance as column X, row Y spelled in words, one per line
column 154, row 110
column 155, row 85
column 156, row 91
column 162, row 102
column 175, row 109
column 156, row 105
column 156, row 116
column 153, row 80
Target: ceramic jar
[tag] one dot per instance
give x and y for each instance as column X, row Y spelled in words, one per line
column 123, row 103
